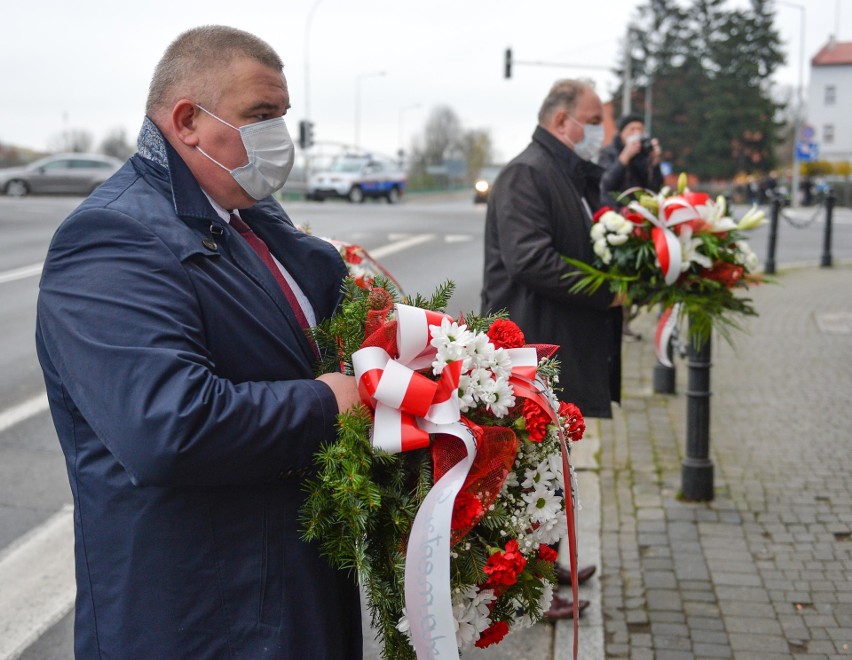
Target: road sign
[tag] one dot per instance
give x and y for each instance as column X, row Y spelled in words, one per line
column 807, row 152
column 806, row 133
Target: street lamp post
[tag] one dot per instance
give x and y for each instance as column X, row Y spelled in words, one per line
column 308, row 78
column 800, row 105
column 375, row 74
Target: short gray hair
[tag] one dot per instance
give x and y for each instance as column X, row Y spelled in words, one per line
column 192, row 64
column 564, row 95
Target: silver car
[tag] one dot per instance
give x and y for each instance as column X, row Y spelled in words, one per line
column 68, row 174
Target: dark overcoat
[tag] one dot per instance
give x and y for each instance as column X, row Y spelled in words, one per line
column 182, row 391
column 536, row 214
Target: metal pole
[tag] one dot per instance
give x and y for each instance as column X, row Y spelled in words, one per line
column 825, row 261
column 801, row 103
column 628, row 74
column 307, row 81
column 775, row 206
column 697, row 468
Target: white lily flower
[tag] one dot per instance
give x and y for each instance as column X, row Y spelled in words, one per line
column 689, row 251
column 752, row 219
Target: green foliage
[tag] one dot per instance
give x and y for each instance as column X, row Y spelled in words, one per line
column 705, row 71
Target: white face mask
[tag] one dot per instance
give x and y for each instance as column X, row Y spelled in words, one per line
column 590, row 146
column 270, row 152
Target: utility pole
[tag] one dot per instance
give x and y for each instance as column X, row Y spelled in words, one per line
column 628, row 87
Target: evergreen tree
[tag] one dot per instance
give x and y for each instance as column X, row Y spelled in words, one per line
column 707, row 69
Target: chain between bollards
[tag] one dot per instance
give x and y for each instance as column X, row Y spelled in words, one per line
column 697, row 468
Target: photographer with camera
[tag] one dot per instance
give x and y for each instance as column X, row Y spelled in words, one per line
column 630, row 161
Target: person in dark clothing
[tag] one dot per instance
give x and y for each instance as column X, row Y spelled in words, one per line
column 629, row 162
column 172, row 333
column 539, row 210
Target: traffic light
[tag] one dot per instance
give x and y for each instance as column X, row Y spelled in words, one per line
column 306, row 134
column 508, row 69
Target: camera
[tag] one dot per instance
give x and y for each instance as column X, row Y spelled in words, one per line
column 646, row 146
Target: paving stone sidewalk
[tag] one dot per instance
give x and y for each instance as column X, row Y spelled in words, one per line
column 765, row 569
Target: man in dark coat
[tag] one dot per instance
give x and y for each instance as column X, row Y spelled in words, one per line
column 171, row 332
column 539, row 210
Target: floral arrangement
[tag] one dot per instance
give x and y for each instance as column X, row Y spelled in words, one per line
column 681, row 251
column 446, row 489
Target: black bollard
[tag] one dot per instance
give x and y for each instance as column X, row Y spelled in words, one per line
column 697, row 468
column 664, row 377
column 775, row 211
column 825, row 261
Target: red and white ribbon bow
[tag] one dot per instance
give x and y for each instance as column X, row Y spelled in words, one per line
column 672, row 211
column 665, row 328
column 408, row 407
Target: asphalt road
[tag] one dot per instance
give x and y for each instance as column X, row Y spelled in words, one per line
column 422, row 242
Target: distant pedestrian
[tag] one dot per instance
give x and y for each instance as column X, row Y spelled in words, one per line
column 539, row 210
column 632, row 160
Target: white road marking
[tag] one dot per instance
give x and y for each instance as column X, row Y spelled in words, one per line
column 400, row 245
column 458, row 238
column 23, row 411
column 21, row 273
column 37, row 584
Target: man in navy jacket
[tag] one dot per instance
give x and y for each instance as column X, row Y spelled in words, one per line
column 181, row 381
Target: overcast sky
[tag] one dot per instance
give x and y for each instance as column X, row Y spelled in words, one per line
column 86, row 64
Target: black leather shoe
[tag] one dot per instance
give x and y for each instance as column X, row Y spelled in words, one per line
column 563, row 575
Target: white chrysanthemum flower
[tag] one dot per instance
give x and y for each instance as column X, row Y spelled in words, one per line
column 450, row 340
column 598, row 231
column 600, row 248
column 480, row 351
column 745, row 256
column 615, row 223
column 465, row 392
column 500, row 362
column 617, row 239
column 500, row 398
column 542, row 503
column 551, row 531
column 541, row 474
column 470, row 611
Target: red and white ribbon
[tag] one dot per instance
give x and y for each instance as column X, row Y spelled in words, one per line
column 673, row 211
column 665, row 328
column 408, row 407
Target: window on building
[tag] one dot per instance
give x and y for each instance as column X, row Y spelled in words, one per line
column 828, row 133
column 830, row 94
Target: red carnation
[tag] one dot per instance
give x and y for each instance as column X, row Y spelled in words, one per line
column 546, row 553
column 466, row 511
column 503, row 568
column 505, row 334
column 353, row 254
column 574, row 424
column 536, row 421
column 600, row 212
column 634, row 216
column 725, row 273
column 493, row 634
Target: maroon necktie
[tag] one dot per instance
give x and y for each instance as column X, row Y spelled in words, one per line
column 266, row 256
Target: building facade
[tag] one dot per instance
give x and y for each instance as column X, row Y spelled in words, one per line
column 830, row 101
